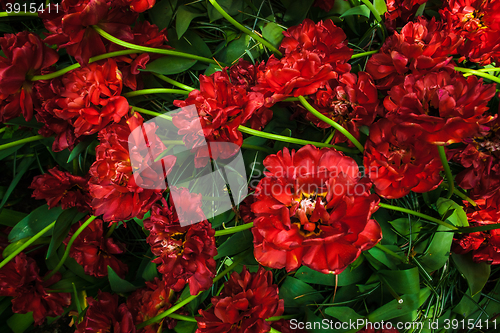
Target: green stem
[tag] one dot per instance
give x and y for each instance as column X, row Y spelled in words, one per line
column 151, row 49
column 110, row 230
column 291, row 99
column 173, row 82
column 189, row 299
column 154, row 91
column 373, row 10
column 461, row 195
column 412, row 212
column 263, row 149
column 390, row 252
column 233, row 230
column 447, row 171
column 260, row 134
column 5, row 14
column 282, row 317
column 3, row 129
column 181, row 317
column 75, row 66
column 27, row 244
column 478, row 73
column 274, row 330
column 364, row 54
column 245, row 30
column 21, row 142
column 331, row 122
column 68, row 247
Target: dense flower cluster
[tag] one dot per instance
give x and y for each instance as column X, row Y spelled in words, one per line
column 313, row 209
column 185, row 254
column 243, row 305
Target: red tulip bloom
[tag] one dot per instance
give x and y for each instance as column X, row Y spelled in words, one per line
column 91, row 97
column 94, row 252
column 138, row 6
column 421, row 47
column 61, row 187
column 220, row 108
column 400, row 12
column 481, row 158
column 351, row 101
column 397, row 161
column 25, row 55
column 484, row 245
column 478, row 23
column 150, row 301
column 145, row 34
column 313, row 209
column 20, row 279
column 115, row 191
column 326, row 5
column 185, row 254
column 70, row 26
column 446, row 108
column 243, row 305
column 105, row 315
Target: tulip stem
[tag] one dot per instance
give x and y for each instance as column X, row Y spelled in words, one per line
column 282, row 317
column 364, row 54
column 179, row 305
column 75, row 66
column 21, row 142
column 261, row 134
column 26, row 244
column 110, row 230
column 68, row 247
column 412, row 212
column 154, row 91
column 478, row 73
column 173, row 82
column 259, row 148
column 331, row 122
column 152, row 49
column 233, row 230
column 249, row 32
column 461, row 195
column 5, row 14
column 183, row 318
column 447, row 171
column 273, row 330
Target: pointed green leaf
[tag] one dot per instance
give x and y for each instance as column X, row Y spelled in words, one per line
column 183, row 19
column 63, row 224
column 358, row 10
column 34, row 222
column 118, row 285
column 476, row 274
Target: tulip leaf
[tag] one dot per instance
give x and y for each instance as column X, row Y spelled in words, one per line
column 453, row 212
column 438, row 251
column 380, row 6
column 10, row 217
column 185, row 327
column 162, row 12
column 397, row 308
column 273, row 33
column 407, row 227
column 237, row 243
column 61, row 229
column 79, row 148
column 346, row 278
column 34, row 222
column 21, row 170
column 298, row 294
column 402, row 281
column 476, row 274
column 468, row 304
column 296, row 11
column 149, row 272
column 183, row 19
column 236, row 49
column 119, row 285
column 232, row 7
column 358, row 10
column 169, row 65
column 19, row 323
column 15, row 245
column 343, row 313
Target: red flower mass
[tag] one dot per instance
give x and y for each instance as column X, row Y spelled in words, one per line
column 20, row 279
column 185, row 254
column 243, row 305
column 313, row 209
column 95, row 252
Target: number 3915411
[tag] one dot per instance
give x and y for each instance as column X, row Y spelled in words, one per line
column 31, row 8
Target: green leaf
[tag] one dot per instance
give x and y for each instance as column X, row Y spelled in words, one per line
column 150, row 272
column 395, row 309
column 225, row 217
column 235, row 244
column 402, row 226
column 279, row 145
column 162, row 12
column 298, row 294
column 185, row 327
column 403, row 281
column 21, row 170
column 14, row 246
column 232, row 7
column 358, row 10
column 79, row 148
column 347, row 277
column 189, row 43
column 457, row 217
column 438, row 251
column 10, row 217
column 273, row 33
column 61, row 229
column 343, row 313
column 380, row 6
column 297, row 11
column 385, row 259
column 118, row 285
column 236, row 49
column 476, row 274
column 467, row 305
column 169, row 65
column 34, row 222
column 183, row 19
column 19, row 323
